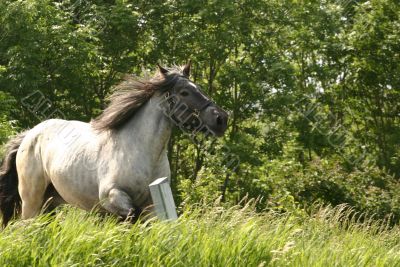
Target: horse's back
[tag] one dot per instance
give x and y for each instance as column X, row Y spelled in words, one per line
column 54, row 138
column 31, row 148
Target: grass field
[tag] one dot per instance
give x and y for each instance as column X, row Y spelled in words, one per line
column 201, row 237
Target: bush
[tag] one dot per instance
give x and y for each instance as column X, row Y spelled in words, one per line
column 368, row 189
column 7, row 127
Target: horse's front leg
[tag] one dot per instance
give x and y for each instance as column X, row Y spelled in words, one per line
column 118, row 202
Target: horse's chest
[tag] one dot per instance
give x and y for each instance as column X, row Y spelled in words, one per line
column 140, row 177
column 136, row 178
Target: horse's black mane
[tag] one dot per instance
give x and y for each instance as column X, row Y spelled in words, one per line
column 130, row 95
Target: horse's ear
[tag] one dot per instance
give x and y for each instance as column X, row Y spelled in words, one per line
column 186, row 69
column 162, row 70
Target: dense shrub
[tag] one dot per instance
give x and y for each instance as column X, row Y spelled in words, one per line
column 286, row 184
column 7, row 127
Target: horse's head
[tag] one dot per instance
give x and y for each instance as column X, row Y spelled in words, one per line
column 189, row 107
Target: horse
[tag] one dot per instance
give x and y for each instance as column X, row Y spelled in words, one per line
column 109, row 162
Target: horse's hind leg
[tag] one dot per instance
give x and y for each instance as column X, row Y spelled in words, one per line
column 31, row 186
column 32, row 195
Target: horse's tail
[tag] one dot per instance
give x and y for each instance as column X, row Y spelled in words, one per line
column 10, row 201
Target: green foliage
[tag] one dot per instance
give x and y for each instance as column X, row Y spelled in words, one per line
column 7, row 128
column 70, row 52
column 367, row 190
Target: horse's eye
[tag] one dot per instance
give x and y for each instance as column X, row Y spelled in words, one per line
column 184, row 93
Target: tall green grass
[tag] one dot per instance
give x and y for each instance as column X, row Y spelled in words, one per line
column 204, row 236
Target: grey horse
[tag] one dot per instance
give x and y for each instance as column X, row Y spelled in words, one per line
column 109, row 162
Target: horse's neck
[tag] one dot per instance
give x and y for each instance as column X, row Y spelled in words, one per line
column 148, row 131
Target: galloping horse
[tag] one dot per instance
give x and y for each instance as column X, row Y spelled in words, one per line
column 109, row 162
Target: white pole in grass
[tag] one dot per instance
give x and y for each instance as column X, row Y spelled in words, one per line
column 163, row 200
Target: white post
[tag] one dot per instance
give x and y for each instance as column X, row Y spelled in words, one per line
column 163, row 200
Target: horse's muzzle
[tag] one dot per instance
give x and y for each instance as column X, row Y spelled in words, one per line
column 216, row 119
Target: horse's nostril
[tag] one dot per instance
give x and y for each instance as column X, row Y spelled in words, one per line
column 220, row 120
